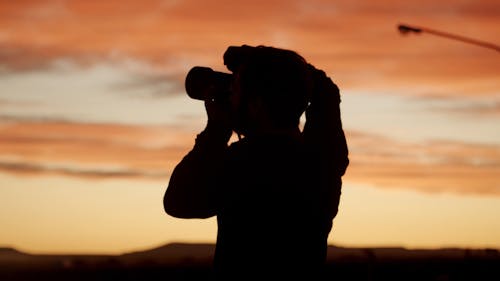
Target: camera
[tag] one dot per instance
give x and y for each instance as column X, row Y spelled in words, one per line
column 203, row 83
column 270, row 70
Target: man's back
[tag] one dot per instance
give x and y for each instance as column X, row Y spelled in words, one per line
column 270, row 217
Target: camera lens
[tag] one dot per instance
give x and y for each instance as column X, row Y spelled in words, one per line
column 203, row 83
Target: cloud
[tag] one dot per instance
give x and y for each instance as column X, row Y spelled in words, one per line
column 357, row 42
column 82, row 172
column 434, row 167
column 490, row 108
column 161, row 85
column 151, row 152
column 91, row 150
column 477, row 108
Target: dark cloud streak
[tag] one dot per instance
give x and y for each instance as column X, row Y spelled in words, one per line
column 81, row 172
column 163, row 85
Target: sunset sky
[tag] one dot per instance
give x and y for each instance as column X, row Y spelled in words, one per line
column 94, row 116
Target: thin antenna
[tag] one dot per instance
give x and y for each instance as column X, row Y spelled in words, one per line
column 405, row 29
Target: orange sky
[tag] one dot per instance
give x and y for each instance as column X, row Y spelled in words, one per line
column 92, row 92
column 352, row 39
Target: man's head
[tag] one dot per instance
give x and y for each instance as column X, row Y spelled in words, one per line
column 270, row 83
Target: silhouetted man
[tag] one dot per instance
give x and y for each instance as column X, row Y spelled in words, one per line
column 276, row 190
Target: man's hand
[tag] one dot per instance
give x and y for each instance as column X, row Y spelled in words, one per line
column 325, row 99
column 219, row 125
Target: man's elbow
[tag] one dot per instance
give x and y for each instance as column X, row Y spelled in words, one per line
column 183, row 211
column 344, row 166
column 173, row 209
column 170, row 209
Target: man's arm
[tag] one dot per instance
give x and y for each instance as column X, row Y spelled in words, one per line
column 194, row 187
column 323, row 129
column 325, row 136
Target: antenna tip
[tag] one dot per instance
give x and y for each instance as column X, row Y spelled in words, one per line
column 404, row 29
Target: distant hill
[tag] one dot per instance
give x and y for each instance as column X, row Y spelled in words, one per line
column 204, row 252
column 175, row 253
column 12, row 255
column 181, row 261
column 399, row 253
column 9, row 251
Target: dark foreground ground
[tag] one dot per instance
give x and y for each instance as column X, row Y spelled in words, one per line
column 193, row 262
